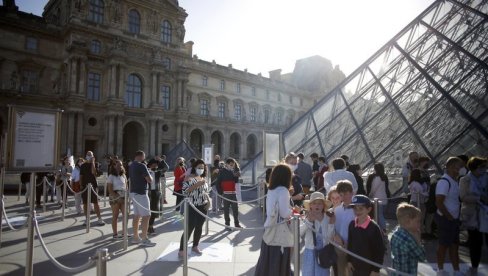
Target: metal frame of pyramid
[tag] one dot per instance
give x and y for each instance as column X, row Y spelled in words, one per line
column 424, row 90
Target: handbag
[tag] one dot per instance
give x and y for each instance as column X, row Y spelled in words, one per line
column 325, row 256
column 208, row 205
column 278, row 234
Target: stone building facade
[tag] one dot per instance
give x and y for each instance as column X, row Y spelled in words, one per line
column 126, row 80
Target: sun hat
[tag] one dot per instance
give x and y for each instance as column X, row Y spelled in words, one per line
column 317, row 196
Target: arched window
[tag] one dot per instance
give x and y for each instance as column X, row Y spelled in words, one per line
column 95, row 47
column 165, row 97
column 95, row 13
column 133, row 92
column 166, row 31
column 167, row 63
column 134, row 22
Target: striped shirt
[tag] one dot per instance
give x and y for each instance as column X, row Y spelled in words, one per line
column 197, row 197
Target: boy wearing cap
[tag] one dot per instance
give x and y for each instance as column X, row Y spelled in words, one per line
column 322, row 222
column 365, row 239
column 406, row 247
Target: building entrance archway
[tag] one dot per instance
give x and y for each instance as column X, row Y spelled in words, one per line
column 133, row 136
column 196, row 141
column 217, row 141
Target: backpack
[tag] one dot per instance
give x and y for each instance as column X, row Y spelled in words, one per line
column 430, row 205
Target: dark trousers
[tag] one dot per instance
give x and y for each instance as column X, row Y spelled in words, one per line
column 195, row 222
column 475, row 242
column 179, row 198
column 155, row 205
column 235, row 211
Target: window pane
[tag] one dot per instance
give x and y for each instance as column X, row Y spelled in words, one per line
column 165, row 97
column 237, row 111
column 95, row 13
column 134, row 22
column 133, row 93
column 31, row 43
column 166, row 31
column 93, row 89
column 96, row 47
column 29, row 81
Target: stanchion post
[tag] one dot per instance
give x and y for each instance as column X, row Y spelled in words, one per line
column 376, row 210
column 88, row 207
column 20, row 191
column 418, row 199
column 30, row 231
column 44, row 194
column 162, row 186
column 63, row 201
column 296, row 244
column 102, row 256
column 105, row 193
column 185, row 238
column 124, row 222
column 1, row 217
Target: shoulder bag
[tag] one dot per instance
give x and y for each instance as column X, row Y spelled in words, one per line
column 325, row 256
column 278, row 234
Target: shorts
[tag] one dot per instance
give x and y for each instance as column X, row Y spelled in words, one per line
column 94, row 197
column 140, row 204
column 119, row 199
column 447, row 230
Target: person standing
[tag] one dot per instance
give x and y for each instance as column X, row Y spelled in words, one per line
column 226, row 183
column 296, row 181
column 25, row 180
column 179, row 173
column 305, row 172
column 315, row 169
column 117, row 187
column 447, row 215
column 412, row 163
column 474, row 198
column 155, row 193
column 76, row 185
column 195, row 188
column 64, row 174
column 377, row 187
column 88, row 174
column 139, row 179
column 339, row 173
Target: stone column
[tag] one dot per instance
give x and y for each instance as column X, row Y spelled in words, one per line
column 110, row 134
column 73, row 82
column 121, row 87
column 79, row 133
column 112, row 81
column 179, row 137
column 152, row 137
column 119, row 135
column 82, row 77
column 70, row 135
column 154, row 89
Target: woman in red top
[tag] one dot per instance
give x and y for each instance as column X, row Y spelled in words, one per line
column 179, row 174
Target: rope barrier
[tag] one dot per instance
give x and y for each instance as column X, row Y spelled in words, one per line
column 235, row 228
column 76, row 193
column 72, row 270
column 250, row 189
column 173, row 191
column 8, row 222
column 241, row 202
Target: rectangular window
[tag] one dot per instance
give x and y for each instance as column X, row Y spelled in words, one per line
column 204, row 107
column 29, row 81
column 237, row 111
column 204, row 81
column 221, row 108
column 238, row 87
column 266, row 116
column 278, row 118
column 222, row 85
column 93, row 88
column 31, row 43
column 254, row 91
column 165, row 96
column 95, row 13
column 252, row 114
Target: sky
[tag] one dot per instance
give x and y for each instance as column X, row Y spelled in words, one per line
column 264, row 35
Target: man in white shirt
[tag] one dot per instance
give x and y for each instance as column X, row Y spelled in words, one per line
column 339, row 173
column 447, row 216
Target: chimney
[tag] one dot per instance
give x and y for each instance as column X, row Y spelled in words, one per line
column 275, row 74
column 10, row 5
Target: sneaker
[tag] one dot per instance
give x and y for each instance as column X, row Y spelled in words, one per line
column 135, row 241
column 238, row 226
column 101, row 222
column 117, row 236
column 227, row 227
column 151, row 231
column 147, row 243
column 84, row 223
column 197, row 251
column 165, row 202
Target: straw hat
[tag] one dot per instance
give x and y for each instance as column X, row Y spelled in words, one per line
column 317, row 196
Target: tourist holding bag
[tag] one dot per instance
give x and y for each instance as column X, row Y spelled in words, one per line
column 274, row 258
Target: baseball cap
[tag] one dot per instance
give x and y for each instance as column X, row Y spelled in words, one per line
column 361, row 200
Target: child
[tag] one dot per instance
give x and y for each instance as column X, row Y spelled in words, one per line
column 334, row 197
column 406, row 249
column 324, row 230
column 418, row 190
column 365, row 239
column 344, row 215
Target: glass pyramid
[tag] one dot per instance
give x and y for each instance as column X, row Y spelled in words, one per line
column 425, row 90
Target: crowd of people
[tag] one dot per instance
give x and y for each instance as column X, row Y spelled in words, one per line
column 339, row 209
column 333, row 200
